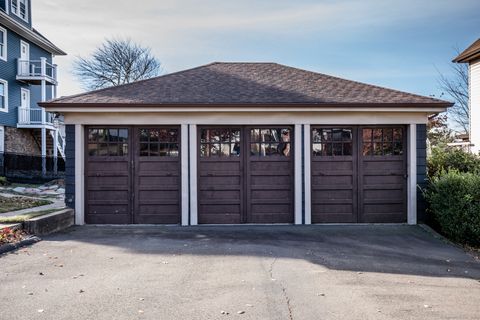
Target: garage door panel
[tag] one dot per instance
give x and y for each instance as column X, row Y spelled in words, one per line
column 272, row 180
column 152, row 166
column 219, row 195
column 333, row 174
column 220, row 191
column 332, row 180
column 133, row 175
column 266, row 165
column 223, row 181
column 112, row 218
column 107, row 175
column 241, row 172
column 146, row 181
column 158, row 196
column 383, row 179
column 157, row 175
column 270, row 175
column 214, row 165
column 333, row 195
column 108, row 166
column 115, row 181
column 108, row 208
column 268, row 194
column 221, row 218
column 383, row 195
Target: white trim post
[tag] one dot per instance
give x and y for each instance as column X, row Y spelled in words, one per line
column 43, row 68
column 307, row 173
column 55, row 151
column 44, row 150
column 79, row 175
column 193, row 175
column 412, row 175
column 298, row 173
column 184, row 173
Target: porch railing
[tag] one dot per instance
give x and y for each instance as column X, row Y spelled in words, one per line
column 37, row 68
column 32, row 116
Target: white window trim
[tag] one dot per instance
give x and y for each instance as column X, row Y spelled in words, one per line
column 5, row 54
column 27, row 10
column 5, row 82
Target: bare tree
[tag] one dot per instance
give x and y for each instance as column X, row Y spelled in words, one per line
column 116, row 62
column 456, row 87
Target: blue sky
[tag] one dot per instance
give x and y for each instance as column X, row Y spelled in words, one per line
column 396, row 44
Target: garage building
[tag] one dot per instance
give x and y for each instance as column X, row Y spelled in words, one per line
column 239, row 143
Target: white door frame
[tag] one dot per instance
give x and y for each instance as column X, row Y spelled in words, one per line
column 25, row 103
column 25, row 66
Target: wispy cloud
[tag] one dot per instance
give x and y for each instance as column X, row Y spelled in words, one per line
column 188, row 32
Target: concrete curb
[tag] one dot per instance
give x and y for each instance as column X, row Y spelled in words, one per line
column 50, row 223
column 13, row 246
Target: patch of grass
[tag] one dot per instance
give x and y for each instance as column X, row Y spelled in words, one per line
column 25, row 217
column 19, row 203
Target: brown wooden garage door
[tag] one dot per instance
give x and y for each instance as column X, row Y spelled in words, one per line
column 132, row 175
column 245, row 175
column 358, row 174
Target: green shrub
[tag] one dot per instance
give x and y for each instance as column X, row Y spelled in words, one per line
column 454, row 202
column 3, row 181
column 452, row 159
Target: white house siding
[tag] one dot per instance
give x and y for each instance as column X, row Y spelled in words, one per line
column 475, row 104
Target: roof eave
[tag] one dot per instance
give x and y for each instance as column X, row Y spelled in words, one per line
column 59, row 105
column 30, row 35
column 467, row 58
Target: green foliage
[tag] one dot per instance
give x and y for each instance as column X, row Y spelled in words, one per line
column 3, row 181
column 454, row 200
column 448, row 159
column 438, row 132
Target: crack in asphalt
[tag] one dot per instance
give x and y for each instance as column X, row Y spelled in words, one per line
column 284, row 290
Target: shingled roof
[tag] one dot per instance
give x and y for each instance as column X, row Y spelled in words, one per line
column 469, row 54
column 245, row 84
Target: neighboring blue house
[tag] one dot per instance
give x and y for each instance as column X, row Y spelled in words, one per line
column 27, row 76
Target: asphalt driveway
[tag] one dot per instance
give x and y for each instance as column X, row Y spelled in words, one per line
column 265, row 272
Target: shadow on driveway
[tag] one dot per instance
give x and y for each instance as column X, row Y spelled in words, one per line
column 396, row 249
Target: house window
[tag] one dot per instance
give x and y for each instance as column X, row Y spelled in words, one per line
column 104, row 142
column 3, row 44
column 3, row 95
column 382, row 141
column 221, row 142
column 265, row 142
column 20, row 8
column 332, row 142
column 158, row 142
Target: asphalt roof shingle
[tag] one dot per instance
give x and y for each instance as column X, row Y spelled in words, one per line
column 246, row 83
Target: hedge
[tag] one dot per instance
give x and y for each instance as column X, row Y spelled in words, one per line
column 454, row 202
column 448, row 159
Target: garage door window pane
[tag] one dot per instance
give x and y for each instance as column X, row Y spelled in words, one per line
column 382, row 141
column 334, row 142
column 266, row 142
column 222, row 142
column 103, row 142
column 158, row 142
